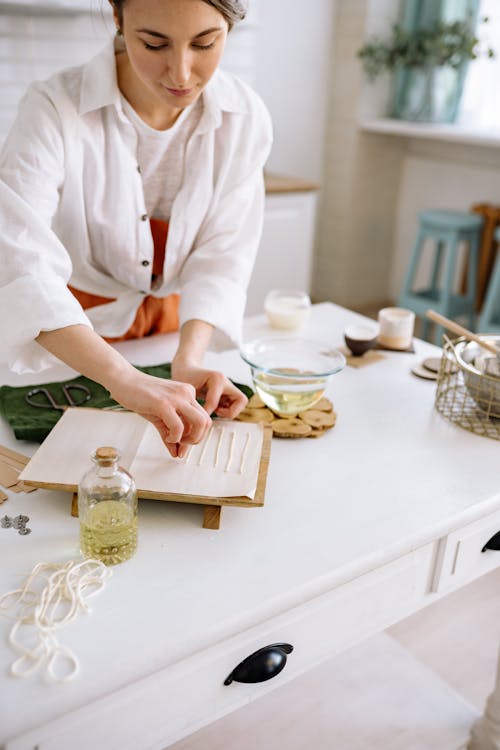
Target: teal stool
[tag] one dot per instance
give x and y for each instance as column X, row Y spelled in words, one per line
column 489, row 321
column 447, row 229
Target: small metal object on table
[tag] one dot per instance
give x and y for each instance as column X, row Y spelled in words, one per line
column 49, row 401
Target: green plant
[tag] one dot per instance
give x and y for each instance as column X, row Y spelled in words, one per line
column 446, row 44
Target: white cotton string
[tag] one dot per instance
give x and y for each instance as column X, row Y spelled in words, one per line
column 51, row 597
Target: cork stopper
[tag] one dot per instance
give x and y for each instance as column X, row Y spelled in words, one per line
column 106, row 455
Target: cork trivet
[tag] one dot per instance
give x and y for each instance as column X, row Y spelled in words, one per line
column 290, row 428
column 255, row 402
column 368, row 358
column 324, row 404
column 319, row 419
column 255, row 415
column 310, row 423
column 381, row 347
column 432, row 363
column 422, row 372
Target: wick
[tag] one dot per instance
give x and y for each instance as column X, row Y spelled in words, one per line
column 217, row 450
column 204, row 449
column 244, row 454
column 231, row 448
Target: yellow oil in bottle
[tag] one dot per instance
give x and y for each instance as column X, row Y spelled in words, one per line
column 289, row 395
column 107, row 507
column 108, row 532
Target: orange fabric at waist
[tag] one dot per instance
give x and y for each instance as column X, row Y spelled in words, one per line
column 155, row 315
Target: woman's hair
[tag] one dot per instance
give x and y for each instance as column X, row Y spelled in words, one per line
column 232, row 10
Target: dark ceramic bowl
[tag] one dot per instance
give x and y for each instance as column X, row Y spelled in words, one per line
column 360, row 338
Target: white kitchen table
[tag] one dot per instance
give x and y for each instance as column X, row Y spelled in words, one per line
column 381, row 516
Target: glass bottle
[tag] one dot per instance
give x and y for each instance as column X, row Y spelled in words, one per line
column 107, row 509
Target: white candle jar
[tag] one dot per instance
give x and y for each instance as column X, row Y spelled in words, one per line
column 287, row 309
column 396, row 327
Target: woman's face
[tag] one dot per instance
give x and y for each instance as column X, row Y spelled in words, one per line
column 173, row 46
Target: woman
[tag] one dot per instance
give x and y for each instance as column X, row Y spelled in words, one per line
column 147, row 140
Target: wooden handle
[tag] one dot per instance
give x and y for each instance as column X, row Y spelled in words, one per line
column 456, row 328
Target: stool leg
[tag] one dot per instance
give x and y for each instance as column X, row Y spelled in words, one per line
column 472, row 278
column 434, row 288
column 405, row 296
column 412, row 266
column 491, row 309
column 449, row 271
column 437, row 267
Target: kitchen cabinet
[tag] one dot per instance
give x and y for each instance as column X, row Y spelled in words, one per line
column 285, row 256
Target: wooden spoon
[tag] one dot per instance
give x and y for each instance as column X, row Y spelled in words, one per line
column 450, row 325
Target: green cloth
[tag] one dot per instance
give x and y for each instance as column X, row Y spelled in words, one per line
column 34, row 424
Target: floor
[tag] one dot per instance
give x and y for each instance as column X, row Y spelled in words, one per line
column 417, row 686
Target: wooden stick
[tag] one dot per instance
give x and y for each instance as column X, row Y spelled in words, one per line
column 8, row 453
column 8, row 476
column 452, row 326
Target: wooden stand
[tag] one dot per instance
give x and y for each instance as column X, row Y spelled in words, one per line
column 212, row 507
column 212, row 516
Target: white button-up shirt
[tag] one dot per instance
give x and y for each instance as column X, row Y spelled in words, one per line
column 72, row 211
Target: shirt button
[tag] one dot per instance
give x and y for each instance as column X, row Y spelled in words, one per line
column 145, row 262
column 139, row 168
column 144, row 217
column 142, row 292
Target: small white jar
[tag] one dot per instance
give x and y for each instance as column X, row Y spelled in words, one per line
column 287, row 309
column 396, row 327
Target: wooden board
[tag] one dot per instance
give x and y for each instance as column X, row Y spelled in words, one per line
column 260, row 462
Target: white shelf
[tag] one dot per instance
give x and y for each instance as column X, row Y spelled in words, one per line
column 431, row 131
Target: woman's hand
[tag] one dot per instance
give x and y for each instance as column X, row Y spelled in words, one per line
column 170, row 406
column 219, row 394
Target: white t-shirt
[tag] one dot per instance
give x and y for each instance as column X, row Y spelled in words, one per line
column 161, row 154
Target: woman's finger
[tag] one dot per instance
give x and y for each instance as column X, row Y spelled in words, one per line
column 170, row 426
column 196, row 422
column 231, row 403
column 214, row 390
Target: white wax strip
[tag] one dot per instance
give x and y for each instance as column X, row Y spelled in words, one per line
column 244, row 454
column 188, row 454
column 217, row 450
column 205, row 445
column 231, row 449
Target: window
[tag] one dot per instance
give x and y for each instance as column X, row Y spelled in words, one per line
column 480, row 105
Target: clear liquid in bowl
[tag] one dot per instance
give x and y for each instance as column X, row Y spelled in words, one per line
column 289, row 395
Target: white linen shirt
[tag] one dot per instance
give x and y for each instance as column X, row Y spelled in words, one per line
column 72, row 210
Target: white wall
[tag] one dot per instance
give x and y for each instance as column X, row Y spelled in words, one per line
column 293, row 76
column 437, row 176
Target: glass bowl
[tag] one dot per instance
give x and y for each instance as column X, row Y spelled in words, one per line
column 291, row 374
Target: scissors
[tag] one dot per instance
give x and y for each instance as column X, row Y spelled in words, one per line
column 49, row 401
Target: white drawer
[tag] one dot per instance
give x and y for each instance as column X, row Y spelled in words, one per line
column 461, row 558
column 178, row 700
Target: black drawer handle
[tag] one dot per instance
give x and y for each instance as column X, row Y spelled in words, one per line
column 493, row 543
column 262, row 665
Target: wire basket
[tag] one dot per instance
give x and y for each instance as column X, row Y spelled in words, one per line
column 464, row 395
